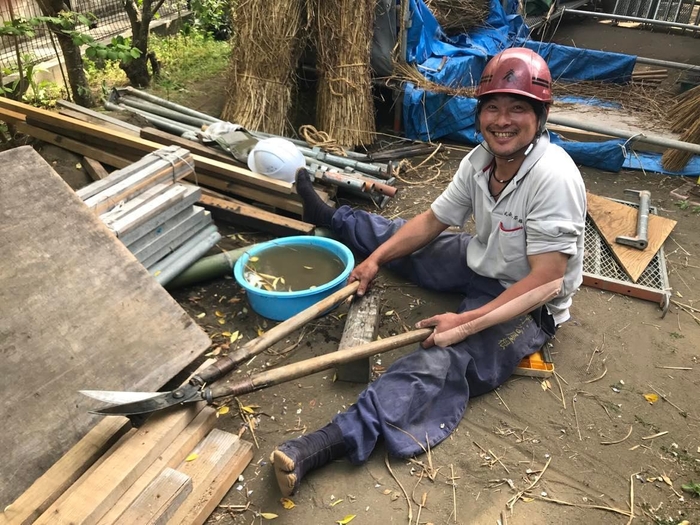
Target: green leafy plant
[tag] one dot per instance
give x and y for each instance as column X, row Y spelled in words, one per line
column 213, row 17
column 693, row 488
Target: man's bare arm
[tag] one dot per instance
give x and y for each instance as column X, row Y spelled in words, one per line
column 540, row 286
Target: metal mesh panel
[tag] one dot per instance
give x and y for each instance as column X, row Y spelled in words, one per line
column 598, row 260
column 685, row 11
column 112, row 20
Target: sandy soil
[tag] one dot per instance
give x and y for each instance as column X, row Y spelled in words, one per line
column 543, row 443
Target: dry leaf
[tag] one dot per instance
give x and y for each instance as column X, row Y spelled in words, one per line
column 260, row 330
column 219, row 314
column 268, row 515
column 226, row 334
column 667, row 480
column 336, row 502
column 221, row 321
column 249, row 409
column 652, row 398
column 254, row 259
column 308, row 267
column 79, row 166
column 347, row 519
column 221, row 411
column 191, row 457
column 214, row 352
column 287, row 503
column 526, row 499
column 199, row 316
column 386, row 492
column 235, row 336
column 390, row 312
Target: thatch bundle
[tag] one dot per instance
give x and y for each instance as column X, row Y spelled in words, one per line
column 685, row 119
column 457, row 17
column 266, row 48
column 344, row 105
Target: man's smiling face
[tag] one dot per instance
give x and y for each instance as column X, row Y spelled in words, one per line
column 509, row 124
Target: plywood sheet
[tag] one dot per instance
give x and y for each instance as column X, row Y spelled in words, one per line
column 76, row 311
column 613, row 219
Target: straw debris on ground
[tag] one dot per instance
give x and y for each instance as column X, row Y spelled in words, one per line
column 685, row 119
column 266, row 47
column 344, row 105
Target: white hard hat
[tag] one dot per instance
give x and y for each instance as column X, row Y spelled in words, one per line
column 277, row 158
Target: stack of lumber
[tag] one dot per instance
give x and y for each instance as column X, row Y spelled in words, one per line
column 174, row 469
column 650, row 77
column 153, row 214
column 247, row 193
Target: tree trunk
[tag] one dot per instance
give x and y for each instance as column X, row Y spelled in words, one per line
column 76, row 74
column 71, row 54
column 137, row 70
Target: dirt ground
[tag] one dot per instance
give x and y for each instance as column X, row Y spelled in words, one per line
column 579, row 450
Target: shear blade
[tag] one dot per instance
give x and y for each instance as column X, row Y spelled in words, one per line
column 118, row 398
column 164, row 400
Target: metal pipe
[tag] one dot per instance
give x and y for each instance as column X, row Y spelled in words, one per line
column 177, row 128
column 639, row 137
column 378, row 170
column 183, row 257
column 626, row 18
column 170, row 105
column 207, row 268
column 302, row 143
column 666, row 63
column 161, row 111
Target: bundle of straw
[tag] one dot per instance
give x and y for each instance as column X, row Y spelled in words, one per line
column 458, row 17
column 266, row 48
column 344, row 105
column 684, row 120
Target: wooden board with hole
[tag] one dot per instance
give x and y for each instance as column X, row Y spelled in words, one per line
column 613, row 219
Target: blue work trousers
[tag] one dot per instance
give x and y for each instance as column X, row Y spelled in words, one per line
column 425, row 393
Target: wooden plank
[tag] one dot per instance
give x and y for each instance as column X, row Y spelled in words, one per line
column 236, row 212
column 613, row 219
column 282, row 202
column 93, row 133
column 221, row 457
column 168, row 139
column 361, row 327
column 103, row 488
column 74, row 146
column 161, row 499
column 96, row 115
column 93, row 168
column 62, row 474
column 75, row 300
column 171, row 458
column 76, row 115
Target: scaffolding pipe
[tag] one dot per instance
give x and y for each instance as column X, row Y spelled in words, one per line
column 167, row 104
column 184, row 256
column 626, row 18
column 176, row 128
column 666, row 63
column 623, row 134
column 144, row 105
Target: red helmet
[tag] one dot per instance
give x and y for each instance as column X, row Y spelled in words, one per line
column 518, row 71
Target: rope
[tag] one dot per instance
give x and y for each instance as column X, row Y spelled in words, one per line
column 321, row 139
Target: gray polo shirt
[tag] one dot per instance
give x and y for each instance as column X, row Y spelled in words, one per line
column 542, row 210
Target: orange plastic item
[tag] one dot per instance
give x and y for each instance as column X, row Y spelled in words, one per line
column 535, row 366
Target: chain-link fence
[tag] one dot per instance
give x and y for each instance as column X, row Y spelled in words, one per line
column 111, row 21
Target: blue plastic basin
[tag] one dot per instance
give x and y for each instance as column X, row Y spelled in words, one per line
column 280, row 305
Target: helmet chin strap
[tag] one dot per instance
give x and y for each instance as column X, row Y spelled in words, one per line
column 510, row 158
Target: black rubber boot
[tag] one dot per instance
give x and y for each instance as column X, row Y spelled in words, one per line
column 293, row 459
column 315, row 210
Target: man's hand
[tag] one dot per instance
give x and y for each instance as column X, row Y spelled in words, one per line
column 442, row 323
column 364, row 272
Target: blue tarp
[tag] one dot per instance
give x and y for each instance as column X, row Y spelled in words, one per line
column 459, row 62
